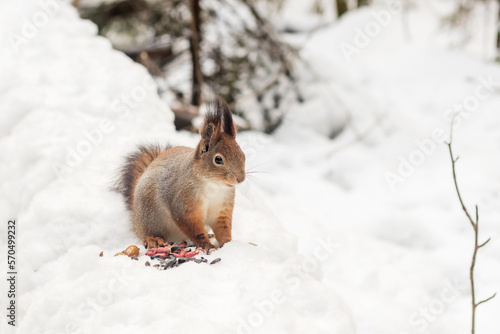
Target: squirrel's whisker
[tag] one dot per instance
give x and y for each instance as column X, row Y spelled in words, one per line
column 257, row 171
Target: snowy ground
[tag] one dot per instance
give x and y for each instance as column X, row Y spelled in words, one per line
column 340, row 248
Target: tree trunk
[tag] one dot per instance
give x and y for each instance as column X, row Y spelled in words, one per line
column 196, row 97
column 362, row 3
column 498, row 32
column 341, row 7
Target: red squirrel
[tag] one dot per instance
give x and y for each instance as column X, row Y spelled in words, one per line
column 173, row 192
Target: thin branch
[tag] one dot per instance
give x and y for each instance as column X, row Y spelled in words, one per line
column 484, row 243
column 484, row 301
column 453, row 162
column 475, row 226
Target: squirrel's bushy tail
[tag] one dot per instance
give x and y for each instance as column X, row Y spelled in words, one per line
column 135, row 165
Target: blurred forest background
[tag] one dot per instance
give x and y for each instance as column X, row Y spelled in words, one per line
column 242, row 50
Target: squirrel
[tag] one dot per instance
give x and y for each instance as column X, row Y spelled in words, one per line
column 173, row 192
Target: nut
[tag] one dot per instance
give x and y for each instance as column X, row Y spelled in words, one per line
column 132, row 250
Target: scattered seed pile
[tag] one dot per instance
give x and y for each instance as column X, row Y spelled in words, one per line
column 171, row 255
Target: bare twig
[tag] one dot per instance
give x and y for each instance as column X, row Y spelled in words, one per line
column 153, row 68
column 484, row 301
column 475, row 226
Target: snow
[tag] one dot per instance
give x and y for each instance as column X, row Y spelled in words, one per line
column 339, row 248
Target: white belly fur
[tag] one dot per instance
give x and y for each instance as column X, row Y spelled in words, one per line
column 215, row 194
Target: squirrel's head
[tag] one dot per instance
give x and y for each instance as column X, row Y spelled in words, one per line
column 220, row 157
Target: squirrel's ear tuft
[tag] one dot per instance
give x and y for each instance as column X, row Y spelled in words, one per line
column 207, row 132
column 211, row 129
column 227, row 117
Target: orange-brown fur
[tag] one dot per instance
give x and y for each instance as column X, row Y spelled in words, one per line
column 222, row 228
column 174, row 192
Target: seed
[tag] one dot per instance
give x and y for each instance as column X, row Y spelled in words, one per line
column 170, row 263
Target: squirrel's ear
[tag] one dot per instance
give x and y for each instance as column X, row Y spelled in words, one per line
column 210, row 131
column 206, row 133
column 227, row 117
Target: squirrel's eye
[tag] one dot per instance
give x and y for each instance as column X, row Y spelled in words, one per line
column 218, row 160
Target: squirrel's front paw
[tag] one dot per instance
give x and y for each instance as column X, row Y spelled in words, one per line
column 153, row 242
column 223, row 242
column 208, row 248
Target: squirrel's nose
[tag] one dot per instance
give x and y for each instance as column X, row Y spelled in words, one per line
column 240, row 178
